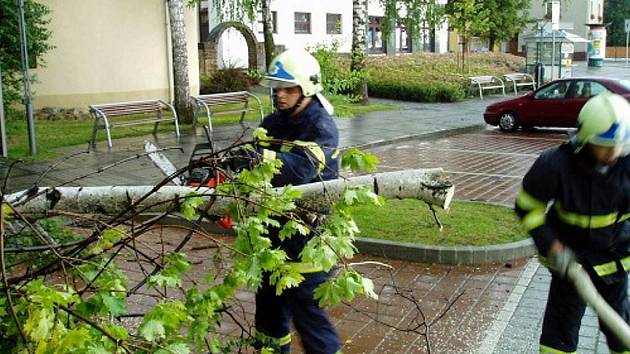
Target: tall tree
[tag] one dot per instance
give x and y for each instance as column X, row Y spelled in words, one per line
column 36, row 18
column 359, row 46
column 270, row 47
column 615, row 13
column 468, row 18
column 509, row 17
column 180, row 60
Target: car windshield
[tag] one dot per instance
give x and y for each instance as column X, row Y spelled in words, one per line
column 625, row 83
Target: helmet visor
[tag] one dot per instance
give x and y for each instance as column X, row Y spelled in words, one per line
column 273, row 82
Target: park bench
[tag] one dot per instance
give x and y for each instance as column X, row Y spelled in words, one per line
column 147, row 112
column 520, row 80
column 224, row 103
column 487, row 82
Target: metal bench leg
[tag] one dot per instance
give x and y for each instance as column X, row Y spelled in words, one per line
column 480, row 92
column 109, row 134
column 176, row 128
column 94, row 131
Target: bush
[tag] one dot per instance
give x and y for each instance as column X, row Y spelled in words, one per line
column 225, row 80
column 337, row 78
column 429, row 77
column 419, row 91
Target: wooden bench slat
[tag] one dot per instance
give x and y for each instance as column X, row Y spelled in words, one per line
column 486, row 82
column 206, row 103
column 110, row 110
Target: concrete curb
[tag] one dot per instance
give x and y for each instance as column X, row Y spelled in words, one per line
column 456, row 255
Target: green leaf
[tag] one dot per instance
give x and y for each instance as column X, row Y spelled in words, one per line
column 175, row 348
column 358, row 161
column 73, row 341
column 328, row 293
column 189, row 205
column 115, row 305
column 6, row 211
column 167, row 281
column 118, row 332
column 152, row 330
column 106, row 241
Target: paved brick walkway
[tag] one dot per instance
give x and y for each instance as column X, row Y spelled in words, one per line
column 487, row 165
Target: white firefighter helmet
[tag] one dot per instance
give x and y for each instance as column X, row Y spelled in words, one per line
column 294, row 67
column 604, row 121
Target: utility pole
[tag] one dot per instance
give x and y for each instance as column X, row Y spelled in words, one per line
column 27, row 82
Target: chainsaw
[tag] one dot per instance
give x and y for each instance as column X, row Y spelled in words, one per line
column 200, row 176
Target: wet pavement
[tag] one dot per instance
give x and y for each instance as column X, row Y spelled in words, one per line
column 501, row 307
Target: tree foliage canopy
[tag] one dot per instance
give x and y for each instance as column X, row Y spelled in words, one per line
column 616, row 12
column 36, row 17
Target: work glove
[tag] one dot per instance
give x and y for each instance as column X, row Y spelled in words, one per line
column 241, row 158
column 560, row 262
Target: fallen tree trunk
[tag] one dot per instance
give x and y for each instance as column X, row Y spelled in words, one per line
column 430, row 185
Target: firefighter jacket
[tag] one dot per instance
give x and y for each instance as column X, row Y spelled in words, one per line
column 308, row 151
column 309, row 154
column 565, row 197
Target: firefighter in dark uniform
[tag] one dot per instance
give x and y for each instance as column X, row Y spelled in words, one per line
column 575, row 203
column 303, row 122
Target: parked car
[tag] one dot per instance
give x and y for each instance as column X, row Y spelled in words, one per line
column 556, row 104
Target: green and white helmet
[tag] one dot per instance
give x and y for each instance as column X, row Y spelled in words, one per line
column 604, row 121
column 294, row 67
column 297, row 67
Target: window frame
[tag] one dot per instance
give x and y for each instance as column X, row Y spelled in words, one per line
column 337, row 25
column 308, row 23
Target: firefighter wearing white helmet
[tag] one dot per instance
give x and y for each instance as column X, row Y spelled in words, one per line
column 305, row 140
column 575, row 203
column 296, row 68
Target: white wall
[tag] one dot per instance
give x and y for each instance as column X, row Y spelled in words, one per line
column 105, row 52
column 574, row 15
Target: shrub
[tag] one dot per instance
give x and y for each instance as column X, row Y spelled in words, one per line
column 337, row 78
column 419, row 91
column 429, row 77
column 225, row 80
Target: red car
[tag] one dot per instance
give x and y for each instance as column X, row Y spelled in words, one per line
column 556, row 104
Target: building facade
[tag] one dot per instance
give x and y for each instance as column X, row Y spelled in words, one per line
column 308, row 24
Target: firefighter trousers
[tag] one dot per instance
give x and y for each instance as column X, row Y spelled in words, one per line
column 274, row 314
column 565, row 310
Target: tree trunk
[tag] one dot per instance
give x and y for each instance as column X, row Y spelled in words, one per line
column 430, row 185
column 432, row 40
column 492, row 43
column 359, row 45
column 180, row 61
column 270, row 48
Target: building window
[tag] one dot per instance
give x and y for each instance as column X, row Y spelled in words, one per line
column 333, row 23
column 274, row 22
column 302, row 22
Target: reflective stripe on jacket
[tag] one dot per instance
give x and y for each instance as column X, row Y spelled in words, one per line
column 563, row 197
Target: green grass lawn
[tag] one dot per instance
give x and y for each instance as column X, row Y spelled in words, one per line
column 466, row 223
column 61, row 133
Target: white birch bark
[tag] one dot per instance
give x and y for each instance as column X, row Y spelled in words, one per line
column 180, row 60
column 359, row 44
column 430, row 185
